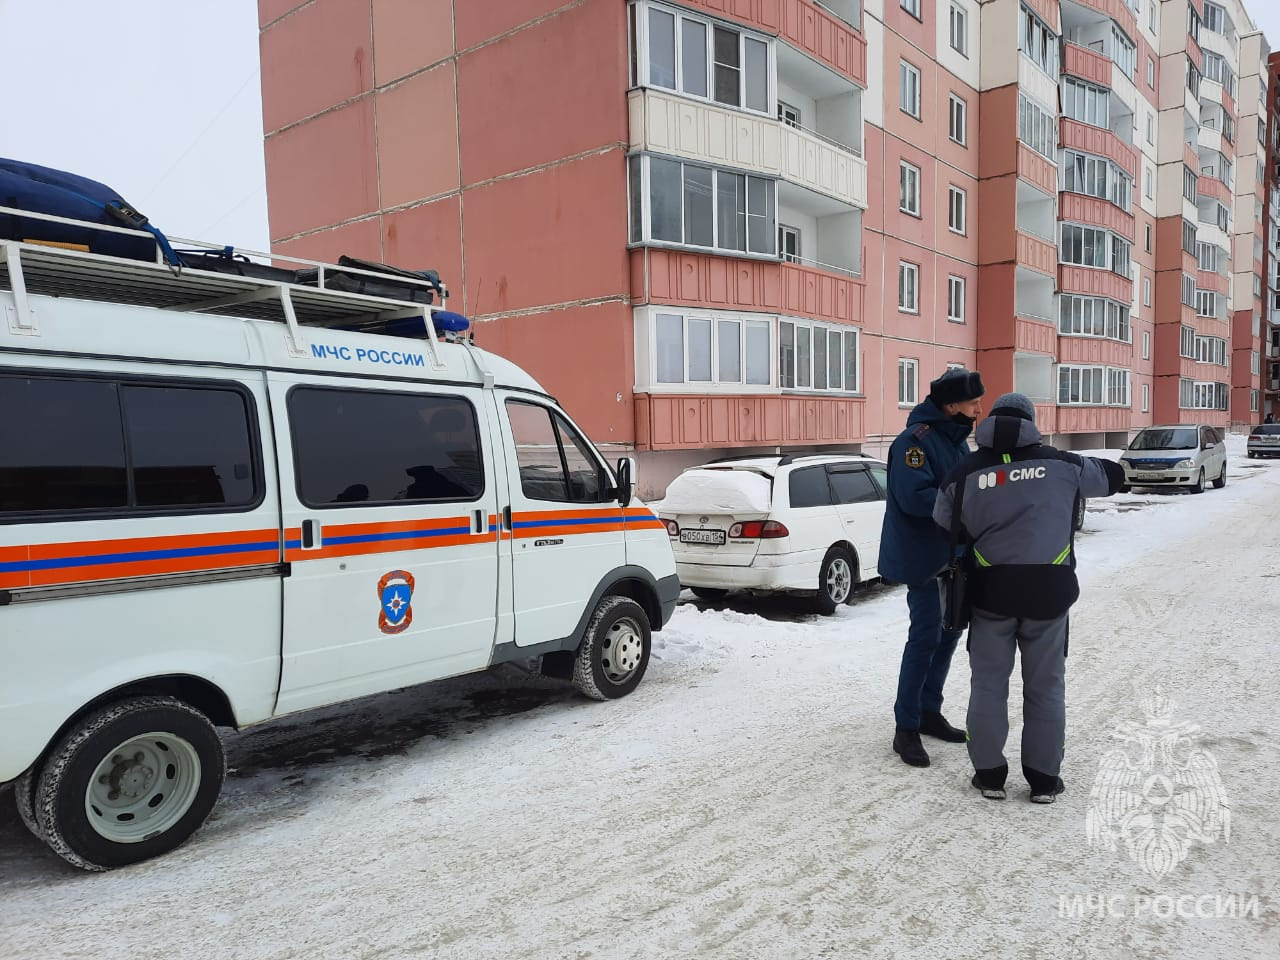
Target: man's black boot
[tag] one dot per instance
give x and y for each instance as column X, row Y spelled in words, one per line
column 907, row 745
column 991, row 782
column 935, row 724
column 1045, row 787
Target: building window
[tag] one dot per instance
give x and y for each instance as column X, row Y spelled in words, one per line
column 1146, row 345
column 1188, row 292
column 789, row 115
column 909, row 89
column 1253, row 401
column 1146, row 397
column 1038, row 42
column 1203, row 395
column 911, row 6
column 1151, row 128
column 1188, row 237
column 818, row 356
column 1093, row 386
column 955, row 298
column 693, row 347
column 1148, row 238
column 789, row 243
column 1093, row 317
column 1187, row 343
column 1253, row 363
column 908, row 287
column 1123, row 52
column 1152, row 13
column 1146, row 291
column 1193, row 75
column 1096, row 177
column 957, row 210
column 1037, row 128
column 707, row 59
column 908, row 382
column 1211, row 350
column 1217, row 21
column 1094, row 247
column 1189, row 178
column 1151, row 71
column 1209, row 256
column 959, row 28
column 1216, row 69
column 909, row 188
column 1085, row 102
column 702, row 207
column 959, row 121
column 1206, row 304
column 1151, row 183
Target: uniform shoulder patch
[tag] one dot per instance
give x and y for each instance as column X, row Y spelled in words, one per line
column 915, row 458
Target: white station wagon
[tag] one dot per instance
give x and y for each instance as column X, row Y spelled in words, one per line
column 806, row 524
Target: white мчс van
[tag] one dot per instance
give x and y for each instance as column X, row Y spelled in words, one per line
column 216, row 507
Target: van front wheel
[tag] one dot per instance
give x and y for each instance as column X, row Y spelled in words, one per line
column 614, row 652
column 129, row 782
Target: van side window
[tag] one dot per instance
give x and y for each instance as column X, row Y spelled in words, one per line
column 368, row 447
column 555, row 463
column 187, row 446
column 853, row 485
column 809, row 488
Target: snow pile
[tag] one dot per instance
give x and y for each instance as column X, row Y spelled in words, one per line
column 718, row 491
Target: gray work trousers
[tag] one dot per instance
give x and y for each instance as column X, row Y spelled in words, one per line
column 992, row 643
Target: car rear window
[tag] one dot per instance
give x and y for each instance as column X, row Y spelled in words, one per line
column 1265, row 429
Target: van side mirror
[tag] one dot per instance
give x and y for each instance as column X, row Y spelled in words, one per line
column 626, row 479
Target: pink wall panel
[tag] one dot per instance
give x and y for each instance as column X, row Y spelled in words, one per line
column 588, row 391
column 1092, row 211
column 411, row 161
column 478, row 22
column 428, row 236
column 269, row 10
column 409, row 35
column 1048, row 11
column 304, row 195
column 1035, row 169
column 511, row 264
column 665, row 422
column 1211, row 280
column 1094, row 350
column 1039, row 255
column 1093, row 419
column 1095, row 282
column 360, row 238
column 517, row 112
column 1098, row 140
column 315, row 59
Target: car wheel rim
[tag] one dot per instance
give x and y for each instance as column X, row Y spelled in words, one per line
column 622, row 650
column 839, row 580
column 143, row 787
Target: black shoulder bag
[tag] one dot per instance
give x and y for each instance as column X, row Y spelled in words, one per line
column 953, row 581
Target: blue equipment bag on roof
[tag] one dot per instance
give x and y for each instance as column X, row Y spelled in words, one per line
column 28, row 186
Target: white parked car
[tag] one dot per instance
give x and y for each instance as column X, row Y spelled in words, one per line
column 802, row 524
column 1184, row 454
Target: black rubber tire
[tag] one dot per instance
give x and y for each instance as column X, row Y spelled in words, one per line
column 590, row 674
column 1220, row 480
column 1198, row 486
column 1124, row 488
column 823, row 601
column 24, row 798
column 60, row 796
column 709, row 593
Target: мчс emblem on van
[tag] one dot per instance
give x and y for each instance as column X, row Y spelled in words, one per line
column 915, row 457
column 395, row 591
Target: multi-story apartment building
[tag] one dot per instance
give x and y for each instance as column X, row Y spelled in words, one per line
column 735, row 225
column 1271, row 259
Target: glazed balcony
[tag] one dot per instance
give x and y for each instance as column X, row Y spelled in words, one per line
column 694, row 130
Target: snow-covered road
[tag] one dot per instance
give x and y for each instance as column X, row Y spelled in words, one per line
column 743, row 803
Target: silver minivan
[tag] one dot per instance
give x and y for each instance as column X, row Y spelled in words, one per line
column 1181, row 454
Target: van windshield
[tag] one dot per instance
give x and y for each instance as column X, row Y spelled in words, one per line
column 1166, row 438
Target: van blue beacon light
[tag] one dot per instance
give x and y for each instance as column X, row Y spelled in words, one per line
column 444, row 321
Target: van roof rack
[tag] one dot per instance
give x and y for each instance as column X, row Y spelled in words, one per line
column 36, row 268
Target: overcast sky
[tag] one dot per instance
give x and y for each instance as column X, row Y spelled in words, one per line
column 162, row 101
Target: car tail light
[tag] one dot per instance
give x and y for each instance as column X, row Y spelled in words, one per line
column 758, row 530
column 673, row 528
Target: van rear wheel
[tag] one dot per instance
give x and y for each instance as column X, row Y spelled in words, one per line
column 614, row 652
column 129, row 782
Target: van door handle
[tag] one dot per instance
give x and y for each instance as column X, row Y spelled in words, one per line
column 477, row 522
column 310, row 534
column 506, row 518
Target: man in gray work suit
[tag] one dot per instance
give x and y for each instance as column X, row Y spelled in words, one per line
column 1017, row 519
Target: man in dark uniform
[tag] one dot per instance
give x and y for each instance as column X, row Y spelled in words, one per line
column 913, row 551
column 1018, row 514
